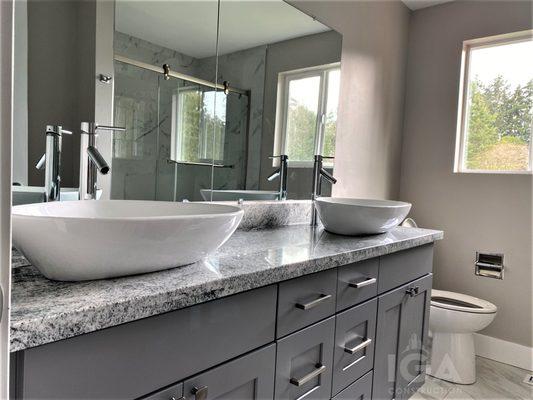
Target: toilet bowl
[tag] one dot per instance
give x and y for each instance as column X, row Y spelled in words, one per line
column 453, row 319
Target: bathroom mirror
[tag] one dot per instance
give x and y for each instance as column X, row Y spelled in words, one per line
column 207, row 130
column 55, row 83
column 285, row 68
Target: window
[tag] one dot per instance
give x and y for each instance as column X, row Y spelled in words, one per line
column 306, row 115
column 496, row 105
column 198, row 125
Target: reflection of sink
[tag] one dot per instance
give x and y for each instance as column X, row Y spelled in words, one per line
column 93, row 239
column 35, row 194
column 360, row 216
column 228, row 195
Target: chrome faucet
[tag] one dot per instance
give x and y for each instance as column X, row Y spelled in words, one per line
column 51, row 161
column 318, row 173
column 91, row 161
column 281, row 172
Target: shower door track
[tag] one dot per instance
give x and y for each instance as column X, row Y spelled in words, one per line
column 168, row 72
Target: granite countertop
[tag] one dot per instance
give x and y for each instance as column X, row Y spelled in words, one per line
column 44, row 311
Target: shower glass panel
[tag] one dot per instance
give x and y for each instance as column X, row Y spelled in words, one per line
column 167, row 152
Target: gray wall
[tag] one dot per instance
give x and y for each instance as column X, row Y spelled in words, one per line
column 20, row 94
column 488, row 212
column 61, row 74
column 308, row 51
column 369, row 130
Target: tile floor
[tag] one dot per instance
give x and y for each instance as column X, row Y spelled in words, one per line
column 494, row 381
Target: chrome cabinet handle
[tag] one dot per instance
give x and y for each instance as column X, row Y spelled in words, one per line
column 366, row 282
column 200, row 393
column 314, row 303
column 360, row 346
column 412, row 292
column 304, row 379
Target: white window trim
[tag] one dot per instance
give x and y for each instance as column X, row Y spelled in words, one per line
column 280, row 141
column 464, row 94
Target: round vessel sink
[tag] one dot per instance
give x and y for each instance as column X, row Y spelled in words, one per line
column 94, row 239
column 346, row 216
column 229, row 195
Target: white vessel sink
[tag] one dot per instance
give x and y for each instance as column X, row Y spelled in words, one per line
column 229, row 195
column 346, row 216
column 94, row 239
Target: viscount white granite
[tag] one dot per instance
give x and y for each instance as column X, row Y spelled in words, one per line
column 44, row 311
column 273, row 214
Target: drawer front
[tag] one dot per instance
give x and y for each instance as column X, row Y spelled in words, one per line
column 250, row 377
column 357, row 282
column 306, row 300
column 174, row 392
column 399, row 268
column 354, row 344
column 360, row 390
column 304, row 363
column 131, row 360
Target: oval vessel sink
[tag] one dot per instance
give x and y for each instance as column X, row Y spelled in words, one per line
column 94, row 239
column 346, row 216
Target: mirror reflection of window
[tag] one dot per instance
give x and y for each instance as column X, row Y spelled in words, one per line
column 307, row 113
column 198, row 125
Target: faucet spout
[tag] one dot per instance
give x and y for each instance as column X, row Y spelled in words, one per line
column 274, row 175
column 98, row 160
column 328, row 176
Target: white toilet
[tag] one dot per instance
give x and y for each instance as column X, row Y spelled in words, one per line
column 453, row 319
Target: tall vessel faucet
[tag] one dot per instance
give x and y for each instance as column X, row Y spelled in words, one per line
column 319, row 173
column 51, row 162
column 281, row 172
column 91, row 161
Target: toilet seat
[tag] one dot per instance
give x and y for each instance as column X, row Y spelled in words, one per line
column 461, row 302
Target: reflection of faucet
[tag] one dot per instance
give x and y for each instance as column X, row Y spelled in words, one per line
column 51, row 160
column 281, row 172
column 90, row 158
column 318, row 173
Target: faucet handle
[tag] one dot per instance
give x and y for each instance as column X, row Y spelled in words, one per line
column 57, row 130
column 109, row 128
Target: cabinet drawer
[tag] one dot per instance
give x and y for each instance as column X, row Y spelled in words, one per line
column 304, row 362
column 399, row 268
column 306, row 300
column 250, row 377
column 171, row 393
column 354, row 344
column 133, row 359
column 357, row 282
column 360, row 390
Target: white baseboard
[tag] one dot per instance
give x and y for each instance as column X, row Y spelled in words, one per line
column 504, row 351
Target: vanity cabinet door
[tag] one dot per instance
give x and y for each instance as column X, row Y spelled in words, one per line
column 354, row 344
column 304, row 363
column 173, row 392
column 401, row 340
column 250, row 377
column 306, row 300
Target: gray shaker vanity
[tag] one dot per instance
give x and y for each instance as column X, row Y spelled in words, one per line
column 285, row 313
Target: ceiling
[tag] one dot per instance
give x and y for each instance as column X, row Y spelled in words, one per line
column 418, row 4
column 190, row 26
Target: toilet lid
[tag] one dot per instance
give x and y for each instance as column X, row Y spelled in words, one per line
column 461, row 302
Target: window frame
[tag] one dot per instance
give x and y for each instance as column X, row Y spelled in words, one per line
column 282, row 104
column 464, row 94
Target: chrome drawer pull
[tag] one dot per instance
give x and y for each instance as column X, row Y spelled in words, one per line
column 359, row 347
column 314, row 303
column 200, row 393
column 302, row 381
column 366, row 282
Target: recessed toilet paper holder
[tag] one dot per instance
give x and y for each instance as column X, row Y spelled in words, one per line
column 489, row 265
